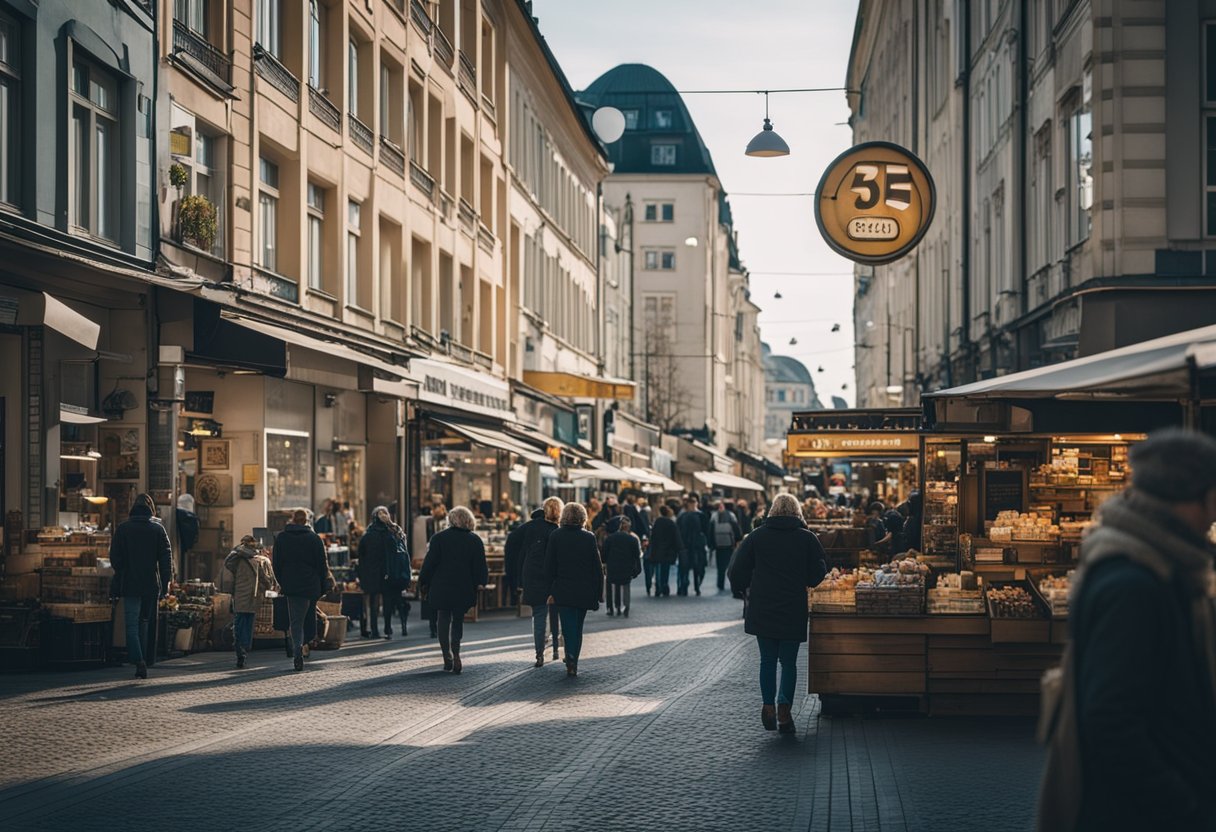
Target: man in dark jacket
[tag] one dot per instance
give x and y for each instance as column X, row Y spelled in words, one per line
column 695, row 556
column 528, row 544
column 665, row 548
column 776, row 564
column 451, row 575
column 726, row 535
column 636, row 519
column 303, row 575
column 142, row 558
column 1143, row 647
column 622, row 556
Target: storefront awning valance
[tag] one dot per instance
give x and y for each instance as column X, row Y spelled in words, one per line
column 527, row 435
column 53, row 313
column 331, row 348
column 651, row 477
column 598, row 469
column 491, row 438
column 724, row 480
column 575, row 386
column 73, row 415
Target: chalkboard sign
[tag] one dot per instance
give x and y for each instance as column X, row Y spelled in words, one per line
column 1004, row 490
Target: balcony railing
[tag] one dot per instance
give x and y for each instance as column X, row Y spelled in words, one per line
column 360, row 133
column 444, row 52
column 445, row 205
column 324, row 109
column 485, row 238
column 467, row 76
column 487, row 106
column 468, row 217
column 188, row 42
column 422, row 179
column 392, row 156
column 421, row 19
column 279, row 76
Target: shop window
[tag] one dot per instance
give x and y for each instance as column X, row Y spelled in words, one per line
column 288, row 469
column 10, row 109
column 94, row 150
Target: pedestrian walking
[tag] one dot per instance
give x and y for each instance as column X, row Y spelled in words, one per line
column 252, row 578
column 437, row 522
column 665, row 546
column 451, row 575
column 300, row 567
column 694, row 555
column 575, row 576
column 622, row 556
column 529, row 542
column 390, row 538
column 142, row 558
column 1133, row 728
column 375, row 545
column 726, row 535
column 774, row 565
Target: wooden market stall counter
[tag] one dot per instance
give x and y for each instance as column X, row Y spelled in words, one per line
column 934, row 664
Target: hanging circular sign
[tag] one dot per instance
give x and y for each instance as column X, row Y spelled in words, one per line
column 875, row 202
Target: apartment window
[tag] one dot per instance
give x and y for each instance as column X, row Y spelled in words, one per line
column 268, row 214
column 662, row 119
column 660, row 211
column 385, row 98
column 658, row 311
column 353, row 211
column 662, row 154
column 269, row 26
column 316, row 45
column 660, row 259
column 1080, row 168
column 191, row 13
column 1209, row 60
column 1209, row 129
column 316, row 235
column 10, row 100
column 781, row 395
column 631, row 119
column 352, row 78
column 94, row 149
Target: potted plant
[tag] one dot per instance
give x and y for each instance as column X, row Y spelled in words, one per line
column 197, row 221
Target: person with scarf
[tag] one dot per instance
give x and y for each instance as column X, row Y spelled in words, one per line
column 252, row 576
column 1133, row 738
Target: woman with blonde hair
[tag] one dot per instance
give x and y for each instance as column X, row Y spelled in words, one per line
column 575, row 577
column 526, row 549
column 775, row 564
column 451, row 575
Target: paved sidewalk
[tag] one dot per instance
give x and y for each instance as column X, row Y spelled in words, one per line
column 659, row 731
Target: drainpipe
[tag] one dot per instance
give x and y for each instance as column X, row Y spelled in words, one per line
column 965, row 255
column 1023, row 145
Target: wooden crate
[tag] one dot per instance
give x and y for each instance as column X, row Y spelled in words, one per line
column 885, row 662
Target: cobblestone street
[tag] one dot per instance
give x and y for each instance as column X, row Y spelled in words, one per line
column 659, row 731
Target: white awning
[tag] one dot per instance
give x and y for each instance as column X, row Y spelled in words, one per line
column 598, row 469
column 48, row 311
column 652, row 477
column 518, row 473
column 491, row 438
column 724, row 480
column 548, row 472
column 332, row 348
column 73, row 415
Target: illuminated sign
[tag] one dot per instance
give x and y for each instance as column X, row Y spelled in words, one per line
column 852, row 444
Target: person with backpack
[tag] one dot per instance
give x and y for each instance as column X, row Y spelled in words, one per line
column 375, row 546
column 142, row 557
column 529, row 542
column 622, row 555
column 726, row 536
column 252, row 577
column 694, row 556
column 396, row 570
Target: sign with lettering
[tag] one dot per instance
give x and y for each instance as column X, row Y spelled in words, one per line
column 446, row 384
column 875, row 203
column 854, row 443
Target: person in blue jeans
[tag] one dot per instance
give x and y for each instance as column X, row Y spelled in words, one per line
column 575, row 577
column 252, row 576
column 141, row 555
column 774, row 566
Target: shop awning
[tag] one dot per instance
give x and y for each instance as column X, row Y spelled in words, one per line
column 723, row 480
column 575, row 386
column 1160, row 368
column 525, row 434
column 73, row 415
column 491, row 438
column 54, row 314
column 331, row 348
column 598, row 469
column 652, row 477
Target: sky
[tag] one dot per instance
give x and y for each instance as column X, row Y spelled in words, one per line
column 760, row 44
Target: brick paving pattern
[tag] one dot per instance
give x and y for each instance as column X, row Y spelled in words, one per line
column 660, row 731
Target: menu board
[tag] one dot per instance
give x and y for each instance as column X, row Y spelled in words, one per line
column 1003, row 490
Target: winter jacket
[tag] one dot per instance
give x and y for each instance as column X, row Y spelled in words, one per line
column 573, row 569
column 639, row 525
column 531, row 540
column 300, row 567
column 727, row 518
column 1142, row 638
column 252, row 575
column 622, row 557
column 776, row 563
column 141, row 555
column 607, row 512
column 454, row 567
column 376, row 546
column 691, row 525
column 665, row 542
column 513, row 551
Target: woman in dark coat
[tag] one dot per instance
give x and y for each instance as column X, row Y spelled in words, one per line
column 531, row 539
column 665, row 547
column 375, row 547
column 142, row 559
column 575, row 576
column 454, row 570
column 622, row 563
column 775, row 564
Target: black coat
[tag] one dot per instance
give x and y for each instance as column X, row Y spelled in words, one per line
column 376, row 546
column 1145, row 713
column 573, row 569
column 637, row 520
column 141, row 555
column 454, row 567
column 622, row 557
column 665, row 542
column 299, row 562
column 531, row 540
column 776, row 563
column 691, row 525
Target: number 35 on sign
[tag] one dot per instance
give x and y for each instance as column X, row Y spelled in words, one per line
column 875, row 202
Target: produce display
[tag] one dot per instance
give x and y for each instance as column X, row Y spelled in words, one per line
column 1055, row 589
column 838, row 591
column 1011, row 602
column 897, row 588
column 957, row 594
column 1031, row 526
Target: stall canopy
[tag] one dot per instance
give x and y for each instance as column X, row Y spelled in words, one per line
column 491, row 438
column 575, row 386
column 649, row 476
column 723, row 480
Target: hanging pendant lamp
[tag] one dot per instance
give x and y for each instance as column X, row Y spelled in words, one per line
column 767, row 143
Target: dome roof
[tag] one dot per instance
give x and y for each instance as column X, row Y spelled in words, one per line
column 783, row 368
column 656, row 122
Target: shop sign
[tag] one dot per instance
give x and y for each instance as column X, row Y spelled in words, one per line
column 852, row 444
column 464, row 389
column 875, row 202
column 584, row 413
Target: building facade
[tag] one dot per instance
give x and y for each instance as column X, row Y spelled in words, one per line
column 1052, row 136
column 788, row 388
